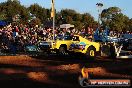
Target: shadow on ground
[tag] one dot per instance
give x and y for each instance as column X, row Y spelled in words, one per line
column 54, row 71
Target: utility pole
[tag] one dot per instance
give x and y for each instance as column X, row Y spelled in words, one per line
column 53, row 17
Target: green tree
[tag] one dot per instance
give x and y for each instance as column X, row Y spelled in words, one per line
column 12, row 10
column 69, row 20
column 114, row 19
column 79, row 20
column 87, row 20
column 35, row 22
column 107, row 14
column 77, row 17
column 68, row 12
column 129, row 25
column 78, row 25
column 13, row 7
column 119, row 22
column 3, row 16
column 39, row 12
column 67, row 15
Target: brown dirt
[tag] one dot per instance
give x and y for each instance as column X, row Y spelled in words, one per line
column 56, row 72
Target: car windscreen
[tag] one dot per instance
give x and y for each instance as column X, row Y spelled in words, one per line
column 65, row 37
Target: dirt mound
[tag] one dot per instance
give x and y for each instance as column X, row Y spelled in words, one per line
column 21, row 60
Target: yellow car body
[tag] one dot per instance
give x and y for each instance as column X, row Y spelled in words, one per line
column 57, row 43
column 64, row 45
column 87, row 43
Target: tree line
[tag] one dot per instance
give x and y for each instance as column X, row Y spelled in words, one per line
column 13, row 11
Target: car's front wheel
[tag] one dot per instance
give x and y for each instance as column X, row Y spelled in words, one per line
column 62, row 50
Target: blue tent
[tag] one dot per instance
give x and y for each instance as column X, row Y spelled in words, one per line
column 3, row 23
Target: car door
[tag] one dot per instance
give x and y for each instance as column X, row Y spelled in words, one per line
column 75, row 40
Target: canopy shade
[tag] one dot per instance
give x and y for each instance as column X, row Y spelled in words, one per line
column 66, row 26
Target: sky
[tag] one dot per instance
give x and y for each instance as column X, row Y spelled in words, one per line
column 83, row 6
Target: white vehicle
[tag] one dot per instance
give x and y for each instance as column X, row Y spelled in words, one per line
column 122, row 53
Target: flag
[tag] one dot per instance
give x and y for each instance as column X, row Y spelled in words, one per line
column 52, row 9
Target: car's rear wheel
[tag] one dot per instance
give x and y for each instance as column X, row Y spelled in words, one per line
column 91, row 53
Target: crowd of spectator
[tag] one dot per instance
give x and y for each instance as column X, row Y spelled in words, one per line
column 13, row 37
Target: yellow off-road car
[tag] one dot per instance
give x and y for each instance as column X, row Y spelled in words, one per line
column 74, row 44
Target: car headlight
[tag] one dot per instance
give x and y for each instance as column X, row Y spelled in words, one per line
column 54, row 43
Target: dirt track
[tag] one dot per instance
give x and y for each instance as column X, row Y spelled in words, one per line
column 57, row 72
